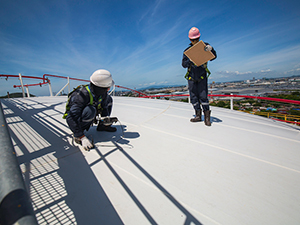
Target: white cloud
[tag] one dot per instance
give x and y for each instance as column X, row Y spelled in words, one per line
column 264, row 71
column 292, row 72
column 163, row 82
column 234, row 72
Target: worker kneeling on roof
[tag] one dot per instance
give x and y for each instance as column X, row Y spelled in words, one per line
column 85, row 103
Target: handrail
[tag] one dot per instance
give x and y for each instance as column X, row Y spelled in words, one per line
column 64, row 77
column 287, row 121
column 77, row 79
column 30, row 85
column 231, row 96
column 287, row 118
column 27, row 85
column 238, row 96
column 162, row 96
column 47, row 81
column 140, row 93
column 24, row 76
column 261, row 98
column 15, row 203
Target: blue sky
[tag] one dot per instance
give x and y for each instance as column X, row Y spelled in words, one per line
column 141, row 42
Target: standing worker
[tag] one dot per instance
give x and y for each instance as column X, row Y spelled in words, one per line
column 85, row 103
column 197, row 80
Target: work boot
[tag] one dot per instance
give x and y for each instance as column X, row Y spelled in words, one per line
column 207, row 118
column 198, row 116
column 102, row 127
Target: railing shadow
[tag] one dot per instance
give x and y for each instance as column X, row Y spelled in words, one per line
column 190, row 219
column 64, row 189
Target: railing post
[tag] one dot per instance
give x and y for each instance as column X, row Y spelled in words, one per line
column 27, row 90
column 50, row 89
column 112, row 91
column 22, row 86
column 68, row 85
column 231, row 102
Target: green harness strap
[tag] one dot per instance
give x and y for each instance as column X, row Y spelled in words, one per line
column 190, row 78
column 208, row 72
column 90, row 93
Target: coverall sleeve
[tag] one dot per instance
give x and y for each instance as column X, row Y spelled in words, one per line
column 212, row 51
column 78, row 103
column 186, row 62
column 215, row 53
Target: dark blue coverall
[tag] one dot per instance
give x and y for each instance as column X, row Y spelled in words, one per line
column 82, row 114
column 197, row 83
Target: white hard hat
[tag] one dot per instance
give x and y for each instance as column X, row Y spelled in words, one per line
column 102, row 78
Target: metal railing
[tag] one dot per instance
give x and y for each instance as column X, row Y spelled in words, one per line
column 15, row 203
column 20, row 76
column 46, row 80
column 273, row 116
column 283, row 117
column 143, row 95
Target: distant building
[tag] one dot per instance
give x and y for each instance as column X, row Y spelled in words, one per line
column 282, row 110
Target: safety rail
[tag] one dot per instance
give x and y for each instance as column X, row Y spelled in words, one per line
column 166, row 96
column 77, row 79
column 46, row 80
column 259, row 97
column 20, row 76
column 273, row 116
column 285, row 117
column 140, row 94
column 280, row 115
column 230, row 96
column 15, row 203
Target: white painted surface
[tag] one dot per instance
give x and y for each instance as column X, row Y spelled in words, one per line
column 244, row 169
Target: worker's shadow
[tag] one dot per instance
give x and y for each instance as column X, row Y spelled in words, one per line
column 215, row 120
column 122, row 136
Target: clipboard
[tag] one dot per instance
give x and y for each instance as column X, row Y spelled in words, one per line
column 197, row 54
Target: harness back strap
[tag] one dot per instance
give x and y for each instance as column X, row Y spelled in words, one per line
column 67, row 105
column 190, row 78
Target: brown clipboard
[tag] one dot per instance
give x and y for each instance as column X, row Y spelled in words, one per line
column 197, row 54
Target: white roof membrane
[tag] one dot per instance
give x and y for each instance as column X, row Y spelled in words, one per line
column 244, row 169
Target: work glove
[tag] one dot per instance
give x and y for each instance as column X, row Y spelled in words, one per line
column 207, row 48
column 86, row 144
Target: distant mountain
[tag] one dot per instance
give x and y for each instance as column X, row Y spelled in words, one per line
column 159, row 87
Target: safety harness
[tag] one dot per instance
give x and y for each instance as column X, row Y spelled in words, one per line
column 188, row 77
column 91, row 99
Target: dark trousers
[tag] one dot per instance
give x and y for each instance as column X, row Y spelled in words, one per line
column 106, row 106
column 89, row 113
column 198, row 94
